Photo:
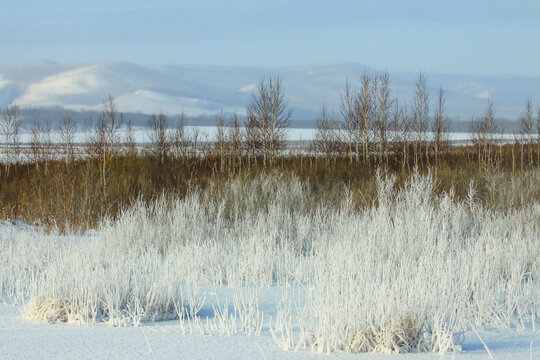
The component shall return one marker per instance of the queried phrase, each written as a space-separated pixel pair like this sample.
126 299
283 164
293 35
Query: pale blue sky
472 37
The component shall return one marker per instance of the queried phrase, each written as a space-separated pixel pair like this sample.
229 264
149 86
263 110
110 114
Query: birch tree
159 145
420 117
10 126
382 115
268 112
526 130
441 126
348 121
67 128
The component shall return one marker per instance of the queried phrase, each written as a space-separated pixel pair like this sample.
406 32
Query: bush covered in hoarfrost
407 274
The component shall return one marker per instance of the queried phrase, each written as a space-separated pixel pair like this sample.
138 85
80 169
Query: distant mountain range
204 90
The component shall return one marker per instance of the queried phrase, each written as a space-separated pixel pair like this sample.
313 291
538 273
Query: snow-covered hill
137 89
204 90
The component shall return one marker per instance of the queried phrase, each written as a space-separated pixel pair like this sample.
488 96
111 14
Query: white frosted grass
415 272
410 273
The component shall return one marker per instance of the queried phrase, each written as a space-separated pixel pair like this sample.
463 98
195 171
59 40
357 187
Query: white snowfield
252 270
25 339
141 135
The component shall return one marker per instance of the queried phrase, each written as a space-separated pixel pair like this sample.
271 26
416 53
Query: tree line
370 127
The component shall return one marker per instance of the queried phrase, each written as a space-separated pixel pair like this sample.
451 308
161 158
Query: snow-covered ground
24 339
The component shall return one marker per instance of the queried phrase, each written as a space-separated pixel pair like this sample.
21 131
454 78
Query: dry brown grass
71 194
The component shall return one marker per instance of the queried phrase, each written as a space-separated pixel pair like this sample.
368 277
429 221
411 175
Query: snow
484 94
3 82
248 88
23 339
78 81
153 102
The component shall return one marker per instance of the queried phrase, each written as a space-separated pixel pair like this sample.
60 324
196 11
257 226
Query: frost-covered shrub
414 271
406 274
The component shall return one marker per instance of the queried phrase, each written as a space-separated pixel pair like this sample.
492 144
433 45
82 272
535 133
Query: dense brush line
73 195
409 272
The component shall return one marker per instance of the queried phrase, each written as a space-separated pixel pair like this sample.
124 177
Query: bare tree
491 130
48 143
36 144
101 148
180 142
67 128
526 130
105 141
159 145
251 139
221 139
325 135
90 137
372 126
10 126
382 115
111 121
187 143
234 137
400 133
348 121
268 112
420 115
483 133
129 140
441 126
365 104
280 116
198 143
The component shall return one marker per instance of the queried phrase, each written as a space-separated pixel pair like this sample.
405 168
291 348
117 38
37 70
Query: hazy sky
454 36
